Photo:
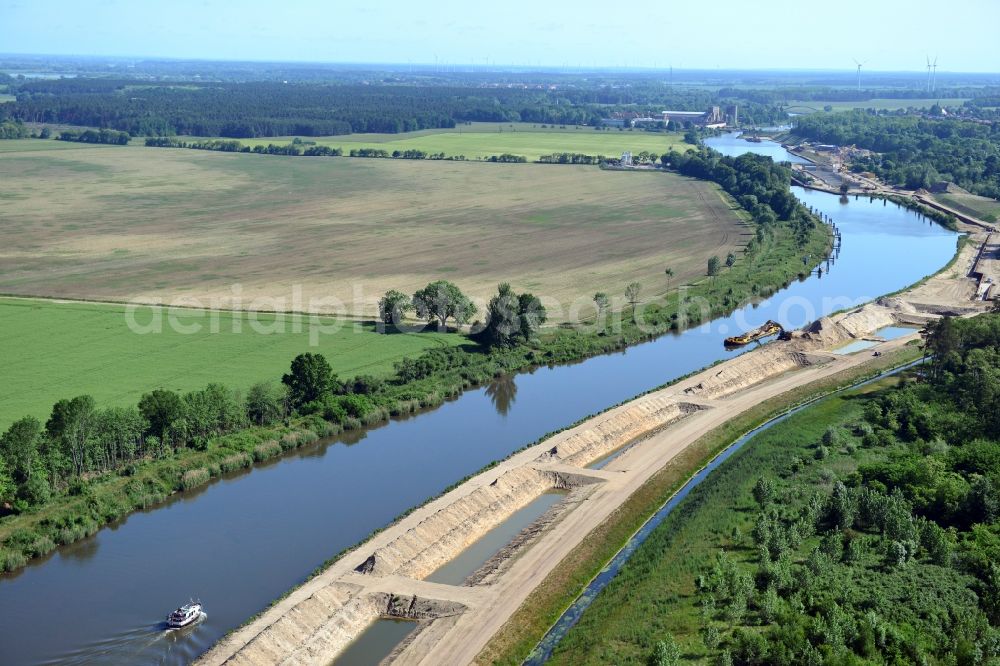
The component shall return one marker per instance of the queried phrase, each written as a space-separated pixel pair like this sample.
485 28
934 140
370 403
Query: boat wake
148 644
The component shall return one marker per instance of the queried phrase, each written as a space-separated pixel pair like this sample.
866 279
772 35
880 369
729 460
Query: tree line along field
881 104
481 140
135 222
68 349
472 140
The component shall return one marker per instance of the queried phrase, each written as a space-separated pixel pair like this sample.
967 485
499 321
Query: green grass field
880 104
6 98
60 350
474 140
485 139
43 145
982 207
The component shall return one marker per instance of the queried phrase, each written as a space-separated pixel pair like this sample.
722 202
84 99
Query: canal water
734 144
887 333
476 555
239 543
376 642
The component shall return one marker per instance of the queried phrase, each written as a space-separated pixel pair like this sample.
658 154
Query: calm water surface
375 643
241 542
457 570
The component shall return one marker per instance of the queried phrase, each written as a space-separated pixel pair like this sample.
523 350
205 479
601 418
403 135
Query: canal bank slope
384 576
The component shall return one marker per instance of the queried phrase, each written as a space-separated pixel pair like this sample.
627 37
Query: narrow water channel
469 560
375 643
241 542
887 333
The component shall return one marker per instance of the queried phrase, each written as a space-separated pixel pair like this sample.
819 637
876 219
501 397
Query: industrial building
712 118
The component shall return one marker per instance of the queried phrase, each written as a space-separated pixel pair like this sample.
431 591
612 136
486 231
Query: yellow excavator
770 327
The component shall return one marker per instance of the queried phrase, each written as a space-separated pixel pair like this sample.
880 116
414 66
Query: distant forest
916 151
268 108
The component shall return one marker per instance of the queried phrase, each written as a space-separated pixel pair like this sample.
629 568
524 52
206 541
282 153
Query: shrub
41 546
11 560
377 415
831 437
71 533
403 407
194 478
330 430
234 462
268 449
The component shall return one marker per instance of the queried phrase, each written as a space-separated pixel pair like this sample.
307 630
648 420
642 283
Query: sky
887 35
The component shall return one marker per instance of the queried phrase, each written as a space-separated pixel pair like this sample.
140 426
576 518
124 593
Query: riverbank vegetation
862 530
946 220
90 465
914 151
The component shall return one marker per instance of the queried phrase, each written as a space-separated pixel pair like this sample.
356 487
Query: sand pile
328 621
323 624
749 369
443 535
615 430
865 321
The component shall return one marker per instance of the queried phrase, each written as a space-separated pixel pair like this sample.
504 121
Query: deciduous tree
266 403
163 410
392 308
310 378
632 290
442 300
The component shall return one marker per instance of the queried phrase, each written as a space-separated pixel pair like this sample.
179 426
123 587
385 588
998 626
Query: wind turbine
859 72
928 73
934 78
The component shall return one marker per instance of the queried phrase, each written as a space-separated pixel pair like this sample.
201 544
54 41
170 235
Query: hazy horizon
889 37
479 66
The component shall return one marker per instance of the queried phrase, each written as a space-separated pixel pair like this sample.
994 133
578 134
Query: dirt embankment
600 436
324 623
327 621
439 538
434 541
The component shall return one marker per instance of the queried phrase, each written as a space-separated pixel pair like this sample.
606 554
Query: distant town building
711 118
626 158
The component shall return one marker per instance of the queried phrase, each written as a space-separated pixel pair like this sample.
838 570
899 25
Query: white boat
185 615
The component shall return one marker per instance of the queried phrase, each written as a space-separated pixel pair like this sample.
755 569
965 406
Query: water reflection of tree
503 392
